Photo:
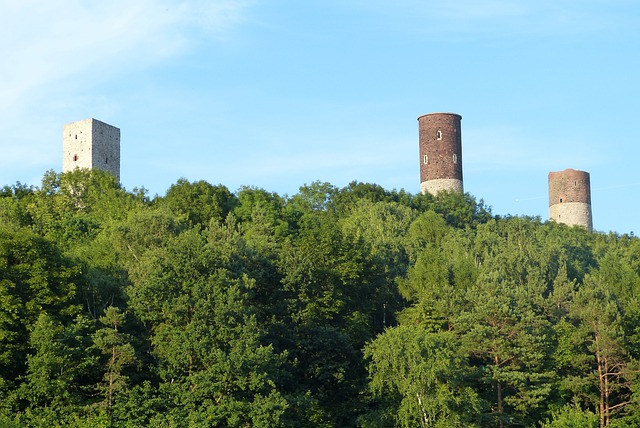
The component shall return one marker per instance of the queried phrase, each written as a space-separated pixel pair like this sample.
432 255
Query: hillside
353 306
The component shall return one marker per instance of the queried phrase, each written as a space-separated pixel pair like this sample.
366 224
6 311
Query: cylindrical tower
570 198
440 152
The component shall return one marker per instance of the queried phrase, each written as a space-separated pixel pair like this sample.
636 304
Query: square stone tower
91 144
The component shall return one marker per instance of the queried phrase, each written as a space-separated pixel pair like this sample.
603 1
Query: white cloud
45 42
55 54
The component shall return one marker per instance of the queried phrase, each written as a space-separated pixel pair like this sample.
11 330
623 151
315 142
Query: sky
276 94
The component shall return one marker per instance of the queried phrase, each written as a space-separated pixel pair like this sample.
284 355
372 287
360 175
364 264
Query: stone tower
440 153
91 144
570 198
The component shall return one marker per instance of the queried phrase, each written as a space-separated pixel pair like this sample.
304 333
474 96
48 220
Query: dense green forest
334 307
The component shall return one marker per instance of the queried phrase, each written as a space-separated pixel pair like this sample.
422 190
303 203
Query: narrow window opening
75 158
439 135
560 200
76 136
455 158
426 159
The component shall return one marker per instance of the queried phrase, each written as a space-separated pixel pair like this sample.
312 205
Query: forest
333 307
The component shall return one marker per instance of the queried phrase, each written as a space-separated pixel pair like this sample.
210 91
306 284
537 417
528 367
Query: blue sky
279 93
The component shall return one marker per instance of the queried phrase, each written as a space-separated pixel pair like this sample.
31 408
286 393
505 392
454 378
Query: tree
213 366
600 316
199 201
61 371
119 353
506 326
572 416
34 278
13 205
461 210
71 208
428 372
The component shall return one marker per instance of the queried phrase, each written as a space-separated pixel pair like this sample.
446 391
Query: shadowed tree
116 347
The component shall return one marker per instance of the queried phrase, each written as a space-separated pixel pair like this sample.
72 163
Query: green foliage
572 416
61 370
13 205
34 278
428 372
70 207
461 210
119 353
200 202
204 336
352 306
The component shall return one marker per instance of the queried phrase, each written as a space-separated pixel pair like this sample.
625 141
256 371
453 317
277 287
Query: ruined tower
91 144
570 198
440 138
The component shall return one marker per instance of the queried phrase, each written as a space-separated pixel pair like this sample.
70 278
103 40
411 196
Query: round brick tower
440 153
570 198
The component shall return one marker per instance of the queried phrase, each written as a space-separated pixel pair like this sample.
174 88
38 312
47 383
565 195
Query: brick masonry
91 144
440 139
570 198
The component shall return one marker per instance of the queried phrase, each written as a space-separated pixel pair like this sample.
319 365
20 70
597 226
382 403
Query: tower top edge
568 171
90 120
441 114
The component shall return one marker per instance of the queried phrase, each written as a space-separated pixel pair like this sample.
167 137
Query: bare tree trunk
499 392
607 393
601 378
425 418
110 391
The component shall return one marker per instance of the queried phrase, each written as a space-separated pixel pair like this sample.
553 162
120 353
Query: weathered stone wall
436 186
440 139
91 144
76 145
570 198
106 148
572 214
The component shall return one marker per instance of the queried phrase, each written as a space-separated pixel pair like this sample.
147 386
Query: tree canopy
333 307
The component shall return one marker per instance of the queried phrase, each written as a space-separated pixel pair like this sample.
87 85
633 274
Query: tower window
75 158
426 159
76 136
439 135
455 158
560 200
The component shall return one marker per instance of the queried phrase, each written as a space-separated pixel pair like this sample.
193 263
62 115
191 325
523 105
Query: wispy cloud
56 53
45 42
520 17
